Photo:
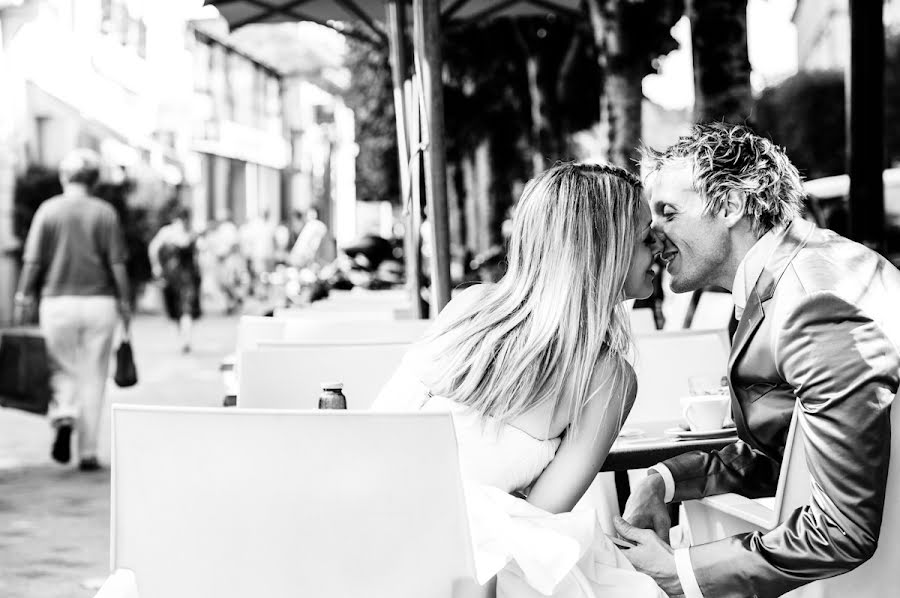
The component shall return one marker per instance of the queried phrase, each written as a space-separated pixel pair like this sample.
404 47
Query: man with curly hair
819 328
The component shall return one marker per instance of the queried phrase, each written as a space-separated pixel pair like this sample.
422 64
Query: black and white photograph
449 298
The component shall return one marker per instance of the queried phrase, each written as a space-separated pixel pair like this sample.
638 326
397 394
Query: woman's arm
580 456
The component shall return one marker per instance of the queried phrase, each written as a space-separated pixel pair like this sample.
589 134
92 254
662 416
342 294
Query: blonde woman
534 370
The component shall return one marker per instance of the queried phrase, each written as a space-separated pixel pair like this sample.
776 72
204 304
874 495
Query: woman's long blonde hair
542 329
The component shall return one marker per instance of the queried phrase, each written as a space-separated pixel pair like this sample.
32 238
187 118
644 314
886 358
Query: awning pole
414 119
427 51
396 27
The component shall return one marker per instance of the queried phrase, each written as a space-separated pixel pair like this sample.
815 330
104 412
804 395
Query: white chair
252 329
718 517
392 297
256 328
341 331
289 377
340 313
381 312
235 503
666 360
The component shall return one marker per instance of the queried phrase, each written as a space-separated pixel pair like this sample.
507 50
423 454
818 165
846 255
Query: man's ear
734 208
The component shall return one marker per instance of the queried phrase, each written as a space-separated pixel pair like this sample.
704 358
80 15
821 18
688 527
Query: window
117 22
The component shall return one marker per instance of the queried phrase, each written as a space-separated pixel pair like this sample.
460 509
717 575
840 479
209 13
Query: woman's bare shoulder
464 300
605 371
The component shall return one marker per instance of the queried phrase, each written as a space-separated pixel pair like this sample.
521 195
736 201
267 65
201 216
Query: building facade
100 74
323 165
823 32
239 144
179 112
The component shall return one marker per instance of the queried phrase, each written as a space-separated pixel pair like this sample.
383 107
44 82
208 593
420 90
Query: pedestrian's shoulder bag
126 372
24 370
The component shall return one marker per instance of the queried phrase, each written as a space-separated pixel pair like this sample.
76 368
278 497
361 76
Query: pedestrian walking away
74 268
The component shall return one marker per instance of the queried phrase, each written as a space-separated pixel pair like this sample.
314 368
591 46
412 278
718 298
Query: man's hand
650 556
646 509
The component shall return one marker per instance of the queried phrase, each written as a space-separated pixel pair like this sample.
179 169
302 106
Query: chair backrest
392 297
374 311
793 488
257 328
341 331
666 360
289 376
881 571
340 313
252 329
235 503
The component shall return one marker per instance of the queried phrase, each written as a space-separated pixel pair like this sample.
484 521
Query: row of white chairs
281 360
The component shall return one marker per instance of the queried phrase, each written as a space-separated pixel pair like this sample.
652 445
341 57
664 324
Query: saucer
682 434
630 432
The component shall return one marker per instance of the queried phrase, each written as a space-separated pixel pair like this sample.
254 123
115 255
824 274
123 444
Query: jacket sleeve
844 371
736 468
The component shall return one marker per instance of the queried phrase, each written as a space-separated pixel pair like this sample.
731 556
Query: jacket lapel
794 239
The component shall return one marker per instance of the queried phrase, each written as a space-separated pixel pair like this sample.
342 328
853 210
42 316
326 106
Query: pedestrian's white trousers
79 333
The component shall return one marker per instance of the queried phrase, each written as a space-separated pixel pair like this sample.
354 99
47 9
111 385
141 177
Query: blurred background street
257 166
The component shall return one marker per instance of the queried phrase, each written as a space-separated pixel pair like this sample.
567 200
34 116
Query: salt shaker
332 397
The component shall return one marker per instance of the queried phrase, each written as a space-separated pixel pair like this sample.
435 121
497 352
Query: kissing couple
535 370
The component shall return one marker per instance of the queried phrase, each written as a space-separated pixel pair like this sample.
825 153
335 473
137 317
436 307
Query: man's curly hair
729 158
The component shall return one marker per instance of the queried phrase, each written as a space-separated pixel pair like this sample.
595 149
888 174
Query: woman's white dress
532 552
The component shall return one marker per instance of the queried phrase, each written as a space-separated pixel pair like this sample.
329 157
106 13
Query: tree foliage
629 37
36 184
488 89
486 96
720 59
806 114
370 96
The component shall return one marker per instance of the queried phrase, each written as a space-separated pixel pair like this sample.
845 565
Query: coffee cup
705 413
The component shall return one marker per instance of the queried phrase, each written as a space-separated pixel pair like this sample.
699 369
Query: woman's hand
650 556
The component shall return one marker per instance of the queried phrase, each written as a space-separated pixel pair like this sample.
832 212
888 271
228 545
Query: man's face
695 245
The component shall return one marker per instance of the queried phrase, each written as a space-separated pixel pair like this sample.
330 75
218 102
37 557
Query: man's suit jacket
822 327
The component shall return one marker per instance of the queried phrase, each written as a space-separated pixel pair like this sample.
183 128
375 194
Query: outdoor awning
371 12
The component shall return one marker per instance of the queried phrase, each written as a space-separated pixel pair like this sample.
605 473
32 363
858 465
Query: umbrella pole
427 54
414 120
396 27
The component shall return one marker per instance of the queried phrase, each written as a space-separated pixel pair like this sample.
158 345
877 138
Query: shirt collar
751 267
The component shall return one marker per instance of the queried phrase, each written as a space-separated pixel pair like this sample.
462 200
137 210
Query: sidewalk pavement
54 519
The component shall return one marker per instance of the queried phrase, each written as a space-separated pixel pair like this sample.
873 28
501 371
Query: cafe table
650 445
643 444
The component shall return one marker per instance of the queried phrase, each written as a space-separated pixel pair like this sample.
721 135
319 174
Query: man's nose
659 242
